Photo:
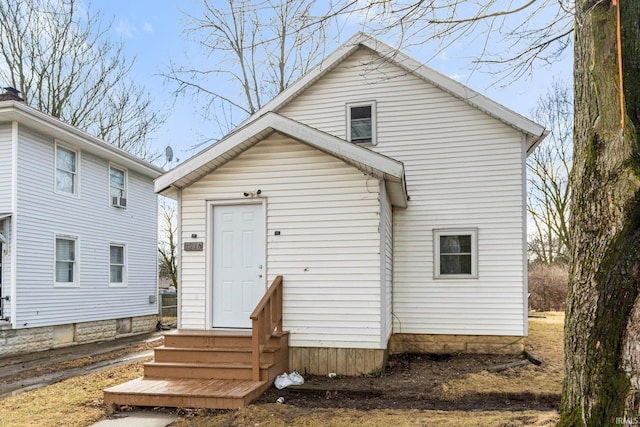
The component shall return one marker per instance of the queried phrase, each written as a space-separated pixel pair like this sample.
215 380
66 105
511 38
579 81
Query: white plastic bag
285 380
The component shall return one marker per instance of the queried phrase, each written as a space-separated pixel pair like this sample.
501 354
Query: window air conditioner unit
118 202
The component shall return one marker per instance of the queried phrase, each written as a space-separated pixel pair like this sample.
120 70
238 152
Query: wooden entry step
189 338
226 370
204 369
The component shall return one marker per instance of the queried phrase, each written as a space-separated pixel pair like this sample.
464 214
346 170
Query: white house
389 197
78 233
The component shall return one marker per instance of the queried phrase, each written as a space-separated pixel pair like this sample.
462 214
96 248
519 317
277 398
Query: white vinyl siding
41 213
386 274
6 158
6 260
463 169
328 216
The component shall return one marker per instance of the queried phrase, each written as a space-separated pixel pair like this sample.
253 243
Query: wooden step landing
186 392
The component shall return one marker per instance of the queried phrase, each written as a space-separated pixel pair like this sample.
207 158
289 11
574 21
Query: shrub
548 287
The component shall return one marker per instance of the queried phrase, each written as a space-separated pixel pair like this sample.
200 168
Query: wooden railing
266 320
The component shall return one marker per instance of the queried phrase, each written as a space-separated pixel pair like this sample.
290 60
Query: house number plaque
193 246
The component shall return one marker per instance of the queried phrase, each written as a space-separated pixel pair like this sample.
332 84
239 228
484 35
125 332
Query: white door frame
210 204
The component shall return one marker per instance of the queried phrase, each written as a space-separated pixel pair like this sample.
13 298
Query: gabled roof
33 118
533 131
244 137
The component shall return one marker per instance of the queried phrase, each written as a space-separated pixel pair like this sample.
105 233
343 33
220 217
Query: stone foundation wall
341 361
143 324
448 344
19 341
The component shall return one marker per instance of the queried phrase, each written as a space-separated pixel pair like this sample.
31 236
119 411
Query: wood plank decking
204 369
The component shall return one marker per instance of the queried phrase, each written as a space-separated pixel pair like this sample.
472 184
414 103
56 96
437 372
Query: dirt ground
415 381
409 382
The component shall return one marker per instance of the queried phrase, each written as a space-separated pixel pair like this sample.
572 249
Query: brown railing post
265 320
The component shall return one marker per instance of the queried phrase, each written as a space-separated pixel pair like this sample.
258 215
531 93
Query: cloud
458 77
443 55
147 27
126 29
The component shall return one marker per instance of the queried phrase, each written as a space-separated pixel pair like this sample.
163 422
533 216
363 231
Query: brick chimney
11 94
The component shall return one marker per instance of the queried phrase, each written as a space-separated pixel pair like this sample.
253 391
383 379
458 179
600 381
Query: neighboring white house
78 233
392 200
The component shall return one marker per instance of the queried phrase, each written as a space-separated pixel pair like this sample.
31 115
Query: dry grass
73 402
78 401
272 415
544 341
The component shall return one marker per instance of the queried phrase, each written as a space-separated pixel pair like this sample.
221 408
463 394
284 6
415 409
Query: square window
65 260
361 123
117 264
455 253
118 187
66 170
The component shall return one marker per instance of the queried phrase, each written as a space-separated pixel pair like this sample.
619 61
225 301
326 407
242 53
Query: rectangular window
118 187
116 264
66 170
361 126
66 264
455 253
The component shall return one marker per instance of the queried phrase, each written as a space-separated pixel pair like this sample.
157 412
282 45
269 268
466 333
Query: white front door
238 258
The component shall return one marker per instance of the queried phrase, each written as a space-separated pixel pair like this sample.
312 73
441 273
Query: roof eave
29 116
534 141
395 56
245 137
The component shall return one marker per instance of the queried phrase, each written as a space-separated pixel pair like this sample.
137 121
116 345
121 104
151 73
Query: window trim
437 233
76 261
374 133
76 173
125 190
122 284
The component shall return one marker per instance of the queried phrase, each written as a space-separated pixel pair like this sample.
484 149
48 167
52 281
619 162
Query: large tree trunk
602 332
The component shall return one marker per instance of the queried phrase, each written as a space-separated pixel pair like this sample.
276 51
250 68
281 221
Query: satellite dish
168 152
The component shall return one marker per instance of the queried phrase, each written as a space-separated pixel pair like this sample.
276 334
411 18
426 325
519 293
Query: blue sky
152 32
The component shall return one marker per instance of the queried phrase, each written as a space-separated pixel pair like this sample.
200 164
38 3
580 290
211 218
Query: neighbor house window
118 187
66 170
66 261
456 253
117 264
361 123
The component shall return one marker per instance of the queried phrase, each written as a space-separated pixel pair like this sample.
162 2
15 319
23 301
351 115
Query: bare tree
602 331
258 48
513 37
61 58
167 244
549 169
602 358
